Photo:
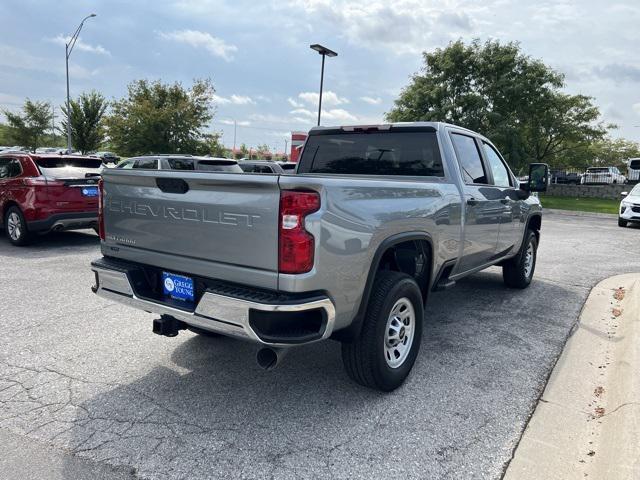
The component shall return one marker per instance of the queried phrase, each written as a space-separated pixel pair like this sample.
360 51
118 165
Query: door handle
472 201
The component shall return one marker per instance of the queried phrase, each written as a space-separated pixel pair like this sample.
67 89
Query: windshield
597 170
386 153
635 164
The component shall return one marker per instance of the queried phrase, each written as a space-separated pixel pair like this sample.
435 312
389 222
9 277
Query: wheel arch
396 248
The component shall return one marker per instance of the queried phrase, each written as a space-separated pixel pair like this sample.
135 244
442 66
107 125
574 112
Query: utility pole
235 125
285 149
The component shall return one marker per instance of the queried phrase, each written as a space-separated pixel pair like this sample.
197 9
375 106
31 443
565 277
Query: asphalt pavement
88 378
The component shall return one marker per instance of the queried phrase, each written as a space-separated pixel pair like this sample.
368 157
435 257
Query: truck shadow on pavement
210 412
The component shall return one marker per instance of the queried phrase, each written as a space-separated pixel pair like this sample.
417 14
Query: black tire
19 236
621 222
514 270
365 358
204 333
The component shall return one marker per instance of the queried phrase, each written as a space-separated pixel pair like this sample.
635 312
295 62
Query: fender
353 330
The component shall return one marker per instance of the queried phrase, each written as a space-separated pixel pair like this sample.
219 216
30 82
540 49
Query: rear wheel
384 353
621 222
517 272
16 227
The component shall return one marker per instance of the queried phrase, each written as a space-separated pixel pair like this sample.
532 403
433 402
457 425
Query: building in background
297 140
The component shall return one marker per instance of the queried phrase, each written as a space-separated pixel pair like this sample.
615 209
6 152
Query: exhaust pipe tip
269 358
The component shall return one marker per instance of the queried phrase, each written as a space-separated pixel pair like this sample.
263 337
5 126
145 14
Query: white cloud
636 107
371 100
293 103
337 115
80 45
402 26
197 39
232 100
328 98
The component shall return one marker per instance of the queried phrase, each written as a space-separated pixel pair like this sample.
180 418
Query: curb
587 423
572 213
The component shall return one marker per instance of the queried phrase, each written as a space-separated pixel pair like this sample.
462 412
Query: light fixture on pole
325 52
68 47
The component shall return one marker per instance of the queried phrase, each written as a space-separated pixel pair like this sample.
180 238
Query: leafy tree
87 129
28 128
605 152
511 98
210 145
160 118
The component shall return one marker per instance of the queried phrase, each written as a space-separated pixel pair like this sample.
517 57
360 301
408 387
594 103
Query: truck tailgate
220 218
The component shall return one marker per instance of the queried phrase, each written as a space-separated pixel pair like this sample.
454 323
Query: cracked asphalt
88 378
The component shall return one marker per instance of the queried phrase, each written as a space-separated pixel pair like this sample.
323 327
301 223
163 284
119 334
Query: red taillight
296 245
100 209
42 182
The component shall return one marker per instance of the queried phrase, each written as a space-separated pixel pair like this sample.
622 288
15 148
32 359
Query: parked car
108 158
43 150
633 170
349 248
40 193
565 178
181 162
630 207
288 167
602 176
258 166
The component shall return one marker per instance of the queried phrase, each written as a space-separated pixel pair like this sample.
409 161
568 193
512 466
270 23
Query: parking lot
89 377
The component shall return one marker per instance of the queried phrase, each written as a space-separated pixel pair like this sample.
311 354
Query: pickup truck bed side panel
356 217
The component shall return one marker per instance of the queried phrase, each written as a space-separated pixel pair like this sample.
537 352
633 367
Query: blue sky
265 75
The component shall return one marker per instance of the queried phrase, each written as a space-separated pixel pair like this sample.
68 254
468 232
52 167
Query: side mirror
624 194
538 178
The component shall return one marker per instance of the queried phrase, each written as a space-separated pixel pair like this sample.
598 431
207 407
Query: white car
630 207
602 175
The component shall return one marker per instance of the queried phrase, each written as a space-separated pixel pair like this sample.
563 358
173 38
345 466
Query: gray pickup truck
348 248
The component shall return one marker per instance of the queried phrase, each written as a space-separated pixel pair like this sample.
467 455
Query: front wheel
384 353
622 223
16 227
517 272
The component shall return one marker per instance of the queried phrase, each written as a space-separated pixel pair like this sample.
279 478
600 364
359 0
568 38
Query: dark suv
40 193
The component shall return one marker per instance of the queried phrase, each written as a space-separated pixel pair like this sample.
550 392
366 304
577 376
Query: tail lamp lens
296 245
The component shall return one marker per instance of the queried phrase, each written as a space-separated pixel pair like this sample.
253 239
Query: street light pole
68 48
325 52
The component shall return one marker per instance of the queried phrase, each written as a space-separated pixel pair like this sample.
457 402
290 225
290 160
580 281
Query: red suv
41 193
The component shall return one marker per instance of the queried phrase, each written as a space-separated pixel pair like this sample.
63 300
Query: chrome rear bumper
214 312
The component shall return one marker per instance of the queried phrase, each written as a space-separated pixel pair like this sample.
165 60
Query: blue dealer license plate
90 191
178 287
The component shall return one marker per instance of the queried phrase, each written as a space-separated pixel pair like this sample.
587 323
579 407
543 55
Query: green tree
87 129
160 118
210 144
511 98
28 127
606 152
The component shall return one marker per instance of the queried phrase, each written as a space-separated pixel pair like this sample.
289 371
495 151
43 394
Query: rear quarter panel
356 216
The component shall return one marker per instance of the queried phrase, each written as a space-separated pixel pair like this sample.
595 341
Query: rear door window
146 163
469 158
180 163
499 170
383 153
